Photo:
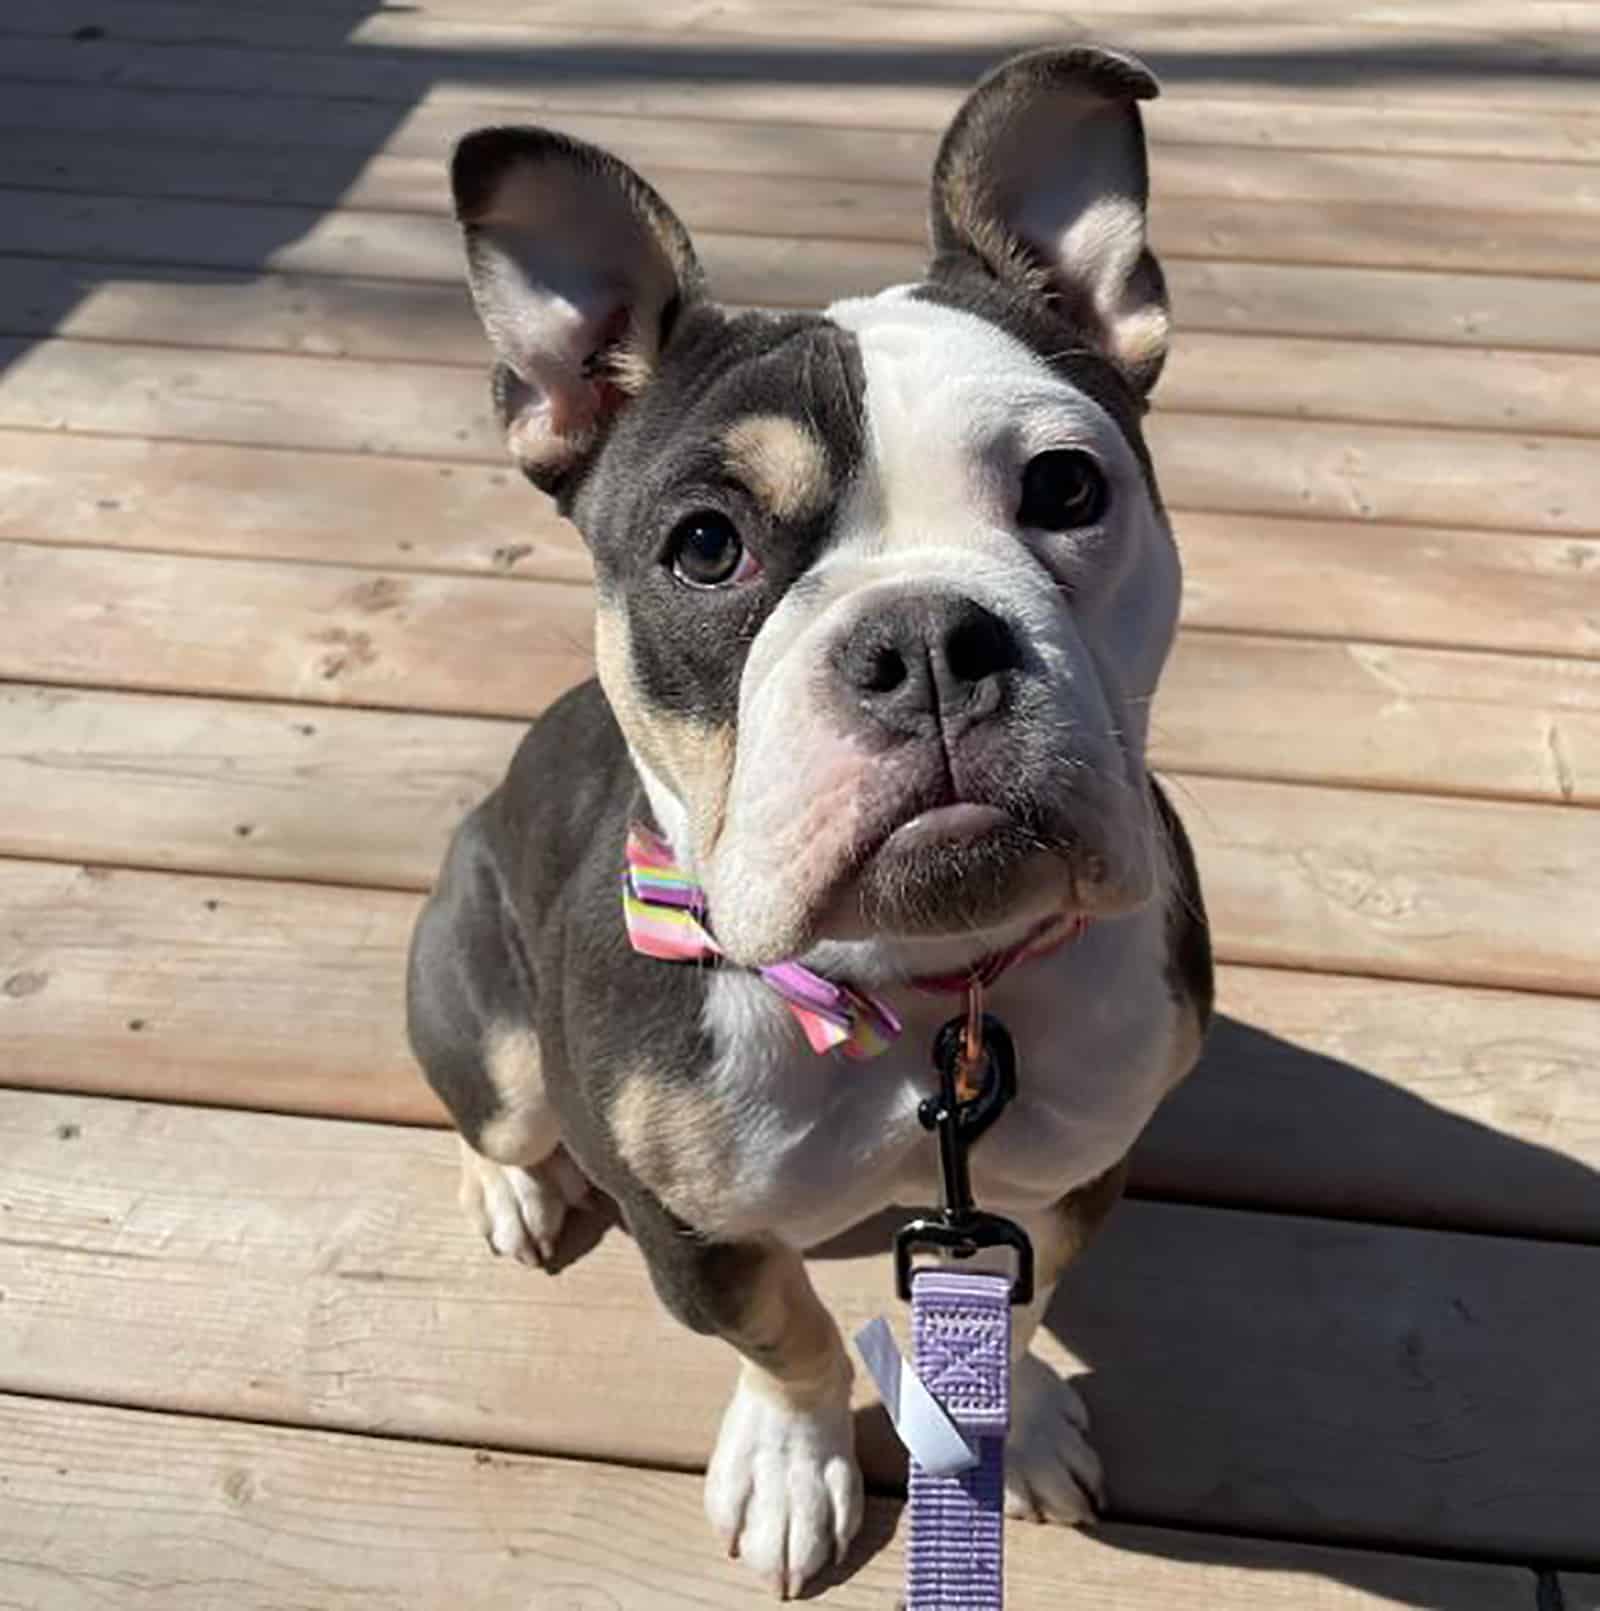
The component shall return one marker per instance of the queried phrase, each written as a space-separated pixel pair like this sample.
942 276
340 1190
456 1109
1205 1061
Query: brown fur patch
525 1130
678 1143
693 759
782 464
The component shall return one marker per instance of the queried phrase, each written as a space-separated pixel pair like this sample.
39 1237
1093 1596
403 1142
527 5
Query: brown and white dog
883 596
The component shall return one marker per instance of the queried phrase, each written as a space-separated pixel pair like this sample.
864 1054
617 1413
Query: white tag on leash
924 1426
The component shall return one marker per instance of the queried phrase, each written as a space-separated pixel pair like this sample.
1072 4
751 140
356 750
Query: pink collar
665 913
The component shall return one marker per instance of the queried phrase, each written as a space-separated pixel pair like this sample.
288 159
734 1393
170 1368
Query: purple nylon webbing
961 1343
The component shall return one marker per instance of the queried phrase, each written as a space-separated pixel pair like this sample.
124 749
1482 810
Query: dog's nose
925 661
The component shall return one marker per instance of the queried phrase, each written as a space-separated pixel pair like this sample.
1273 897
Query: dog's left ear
1042 178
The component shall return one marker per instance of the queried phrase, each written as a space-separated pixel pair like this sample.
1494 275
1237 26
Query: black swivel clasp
976 1062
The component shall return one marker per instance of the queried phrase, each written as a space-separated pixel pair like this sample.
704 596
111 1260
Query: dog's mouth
950 866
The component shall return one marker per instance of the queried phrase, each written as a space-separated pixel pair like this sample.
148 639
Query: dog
883 595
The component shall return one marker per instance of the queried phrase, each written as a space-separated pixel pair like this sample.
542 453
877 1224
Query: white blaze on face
955 409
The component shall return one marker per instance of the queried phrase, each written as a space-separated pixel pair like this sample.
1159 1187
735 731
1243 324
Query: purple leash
953 1407
961 1344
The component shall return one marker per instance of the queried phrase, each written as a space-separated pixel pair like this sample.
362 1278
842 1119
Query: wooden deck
272 610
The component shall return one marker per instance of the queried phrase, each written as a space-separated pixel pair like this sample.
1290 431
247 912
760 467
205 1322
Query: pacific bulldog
883 594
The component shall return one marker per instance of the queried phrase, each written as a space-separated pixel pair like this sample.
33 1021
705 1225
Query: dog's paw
1052 1472
520 1212
783 1490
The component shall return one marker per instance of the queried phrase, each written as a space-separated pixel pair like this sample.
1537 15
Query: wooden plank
232 786
408 172
259 1518
942 22
286 997
345 316
1462 891
1400 584
1250 1371
1376 472
318 632
1244 463
236 992
1478 388
426 128
901 83
348 509
1382 716
1520 727
1209 201
1432 1091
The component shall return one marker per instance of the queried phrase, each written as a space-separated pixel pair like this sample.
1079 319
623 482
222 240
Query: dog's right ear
578 270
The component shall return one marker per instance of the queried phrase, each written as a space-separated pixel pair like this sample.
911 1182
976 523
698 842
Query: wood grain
334 1521
1462 891
324 633
287 997
234 992
1400 584
1248 1371
268 503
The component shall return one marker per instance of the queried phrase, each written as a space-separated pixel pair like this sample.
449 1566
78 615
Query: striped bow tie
665 911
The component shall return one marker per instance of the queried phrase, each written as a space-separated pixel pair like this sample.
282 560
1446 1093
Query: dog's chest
807 1145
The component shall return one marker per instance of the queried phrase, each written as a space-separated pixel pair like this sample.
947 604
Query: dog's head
883 592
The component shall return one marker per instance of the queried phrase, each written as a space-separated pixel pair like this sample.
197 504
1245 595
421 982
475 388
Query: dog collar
665 914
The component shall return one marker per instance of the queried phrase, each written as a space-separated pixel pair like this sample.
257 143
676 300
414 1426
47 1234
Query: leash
961 1332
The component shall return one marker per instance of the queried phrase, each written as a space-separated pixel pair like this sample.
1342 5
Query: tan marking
793 1351
678 1143
694 759
782 464
525 1131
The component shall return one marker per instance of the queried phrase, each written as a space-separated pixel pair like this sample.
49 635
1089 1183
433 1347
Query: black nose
927 661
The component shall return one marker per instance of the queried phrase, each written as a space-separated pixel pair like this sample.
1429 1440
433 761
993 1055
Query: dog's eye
705 550
1062 490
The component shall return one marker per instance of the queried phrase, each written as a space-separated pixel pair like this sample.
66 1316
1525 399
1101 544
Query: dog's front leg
783 1488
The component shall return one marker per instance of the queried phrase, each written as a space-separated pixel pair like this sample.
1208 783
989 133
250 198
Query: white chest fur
821 1142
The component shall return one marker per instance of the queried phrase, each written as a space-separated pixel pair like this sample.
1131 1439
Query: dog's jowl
883 596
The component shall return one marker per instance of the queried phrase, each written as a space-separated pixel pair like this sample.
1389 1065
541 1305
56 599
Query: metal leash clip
977 1066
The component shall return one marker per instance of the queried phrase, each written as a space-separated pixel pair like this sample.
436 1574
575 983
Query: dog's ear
1042 178
578 270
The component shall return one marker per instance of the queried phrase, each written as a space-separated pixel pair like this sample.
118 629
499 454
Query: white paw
783 1490
1052 1472
520 1212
